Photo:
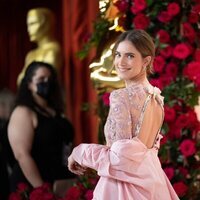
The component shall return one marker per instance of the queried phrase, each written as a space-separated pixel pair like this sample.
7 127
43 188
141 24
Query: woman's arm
21 134
122 161
88 155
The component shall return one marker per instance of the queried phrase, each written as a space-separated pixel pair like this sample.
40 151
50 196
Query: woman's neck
139 79
40 101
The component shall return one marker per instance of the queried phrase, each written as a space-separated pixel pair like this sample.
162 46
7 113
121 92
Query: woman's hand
74 167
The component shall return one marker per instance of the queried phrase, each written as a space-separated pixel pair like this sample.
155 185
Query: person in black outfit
38 130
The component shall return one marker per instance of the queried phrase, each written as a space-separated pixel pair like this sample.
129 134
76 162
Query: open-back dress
128 169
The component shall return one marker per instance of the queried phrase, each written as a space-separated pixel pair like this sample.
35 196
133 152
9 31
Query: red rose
158 64
173 9
193 18
187 147
180 188
86 37
178 106
122 21
42 193
182 121
157 82
174 132
163 140
138 6
36 194
166 52
169 171
48 196
196 9
171 70
89 195
141 21
181 51
197 83
163 36
73 193
192 71
22 187
170 114
80 186
15 196
192 118
122 5
188 31
166 80
93 181
197 55
105 98
183 171
196 130
164 17
46 186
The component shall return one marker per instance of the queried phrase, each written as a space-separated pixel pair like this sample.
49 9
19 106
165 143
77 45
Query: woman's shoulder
23 108
118 92
137 91
23 114
22 111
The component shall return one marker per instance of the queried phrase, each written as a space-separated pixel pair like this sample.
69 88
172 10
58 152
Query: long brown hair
142 42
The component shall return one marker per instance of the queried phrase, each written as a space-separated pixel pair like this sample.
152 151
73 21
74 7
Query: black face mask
44 89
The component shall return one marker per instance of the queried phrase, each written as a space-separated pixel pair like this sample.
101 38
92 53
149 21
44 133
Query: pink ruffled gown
128 170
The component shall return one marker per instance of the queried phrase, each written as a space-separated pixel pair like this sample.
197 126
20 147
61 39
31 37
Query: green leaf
149 2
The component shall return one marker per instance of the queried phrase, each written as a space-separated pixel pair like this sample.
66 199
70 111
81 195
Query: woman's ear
147 61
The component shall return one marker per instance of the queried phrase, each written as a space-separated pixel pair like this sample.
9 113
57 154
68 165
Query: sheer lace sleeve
125 108
118 124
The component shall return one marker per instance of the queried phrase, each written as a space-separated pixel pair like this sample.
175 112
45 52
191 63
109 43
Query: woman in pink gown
128 165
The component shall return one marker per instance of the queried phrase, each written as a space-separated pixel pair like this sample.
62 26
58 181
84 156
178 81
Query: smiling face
128 61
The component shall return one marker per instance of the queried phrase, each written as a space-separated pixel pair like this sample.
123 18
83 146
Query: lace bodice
127 107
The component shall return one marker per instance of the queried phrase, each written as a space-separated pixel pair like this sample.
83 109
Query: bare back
136 111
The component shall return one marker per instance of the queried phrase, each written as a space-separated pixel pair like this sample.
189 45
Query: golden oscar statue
103 74
41 26
102 71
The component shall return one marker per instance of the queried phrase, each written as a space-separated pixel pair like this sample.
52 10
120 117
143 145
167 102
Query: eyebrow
126 53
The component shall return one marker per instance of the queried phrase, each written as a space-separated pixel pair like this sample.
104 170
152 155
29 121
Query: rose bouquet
25 192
